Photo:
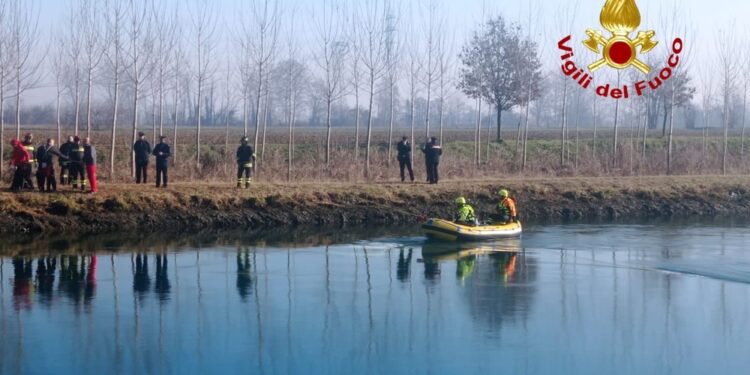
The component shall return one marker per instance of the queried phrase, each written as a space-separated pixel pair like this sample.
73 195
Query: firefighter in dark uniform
76 166
28 144
245 162
65 149
162 153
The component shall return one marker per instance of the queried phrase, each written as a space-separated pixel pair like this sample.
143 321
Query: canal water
662 298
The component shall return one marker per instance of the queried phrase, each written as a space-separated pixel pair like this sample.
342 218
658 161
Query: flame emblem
620 18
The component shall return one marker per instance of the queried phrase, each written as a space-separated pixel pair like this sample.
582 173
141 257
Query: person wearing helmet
65 149
506 208
162 153
76 164
464 213
26 169
245 162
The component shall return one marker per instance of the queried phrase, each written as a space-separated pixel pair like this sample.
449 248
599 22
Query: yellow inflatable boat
449 231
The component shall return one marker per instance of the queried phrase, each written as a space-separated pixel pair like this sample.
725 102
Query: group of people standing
76 158
432 152
142 152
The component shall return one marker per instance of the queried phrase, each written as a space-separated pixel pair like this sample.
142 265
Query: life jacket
507 207
31 150
466 213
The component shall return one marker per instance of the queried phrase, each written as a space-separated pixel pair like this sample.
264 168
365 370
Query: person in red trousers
89 160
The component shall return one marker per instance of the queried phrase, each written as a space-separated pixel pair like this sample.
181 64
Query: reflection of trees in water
501 288
244 276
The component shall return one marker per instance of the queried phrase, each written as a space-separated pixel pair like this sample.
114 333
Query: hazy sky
549 22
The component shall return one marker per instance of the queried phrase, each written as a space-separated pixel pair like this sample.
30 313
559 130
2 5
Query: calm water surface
564 299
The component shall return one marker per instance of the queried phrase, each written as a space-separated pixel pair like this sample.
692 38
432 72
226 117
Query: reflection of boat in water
504 252
449 231
446 251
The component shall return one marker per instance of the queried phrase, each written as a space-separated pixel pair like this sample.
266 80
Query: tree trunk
328 129
265 124
2 122
18 102
369 124
390 126
744 112
499 110
564 124
356 123
135 128
88 100
116 103
198 127
593 143
671 131
258 94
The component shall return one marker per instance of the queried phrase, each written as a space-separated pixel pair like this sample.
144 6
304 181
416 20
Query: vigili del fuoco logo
618 50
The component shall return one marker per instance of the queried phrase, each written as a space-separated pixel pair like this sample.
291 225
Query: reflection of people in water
506 265
162 286
22 286
465 267
431 269
77 281
45 278
403 268
244 277
141 280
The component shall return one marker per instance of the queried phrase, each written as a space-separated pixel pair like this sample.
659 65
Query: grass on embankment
201 206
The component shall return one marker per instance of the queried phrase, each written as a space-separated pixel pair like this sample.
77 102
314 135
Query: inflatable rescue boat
449 231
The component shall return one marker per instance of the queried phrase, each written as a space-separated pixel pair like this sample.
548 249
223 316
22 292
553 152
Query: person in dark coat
89 160
404 158
45 175
425 150
433 160
245 162
76 165
65 149
162 153
142 152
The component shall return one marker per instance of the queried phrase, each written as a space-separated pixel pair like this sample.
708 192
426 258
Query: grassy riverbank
190 207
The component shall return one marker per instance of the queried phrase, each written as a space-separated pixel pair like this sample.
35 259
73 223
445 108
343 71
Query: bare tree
433 32
88 14
260 40
729 69
139 33
24 21
204 27
372 18
114 18
164 33
330 56
445 60
57 65
178 66
74 47
412 81
6 58
393 52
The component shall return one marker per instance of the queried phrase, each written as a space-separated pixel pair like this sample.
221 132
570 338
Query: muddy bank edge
189 207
